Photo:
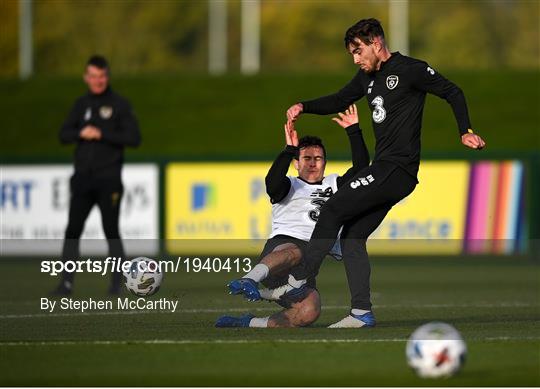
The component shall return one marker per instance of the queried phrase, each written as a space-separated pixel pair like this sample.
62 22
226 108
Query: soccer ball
436 350
143 277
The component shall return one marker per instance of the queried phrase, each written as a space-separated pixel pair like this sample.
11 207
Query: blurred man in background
101 123
395 87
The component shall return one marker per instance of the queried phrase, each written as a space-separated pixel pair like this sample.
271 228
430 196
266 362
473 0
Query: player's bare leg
282 258
277 262
300 314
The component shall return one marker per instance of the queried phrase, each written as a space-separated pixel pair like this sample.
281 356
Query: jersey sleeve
277 182
359 152
338 101
426 79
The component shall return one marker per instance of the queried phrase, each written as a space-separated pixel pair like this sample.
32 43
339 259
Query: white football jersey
298 212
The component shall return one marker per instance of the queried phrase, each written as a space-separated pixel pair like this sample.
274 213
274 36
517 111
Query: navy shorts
277 280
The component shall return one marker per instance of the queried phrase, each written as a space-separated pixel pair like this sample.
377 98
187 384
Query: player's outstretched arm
473 141
360 155
294 112
291 136
427 79
338 101
348 118
277 182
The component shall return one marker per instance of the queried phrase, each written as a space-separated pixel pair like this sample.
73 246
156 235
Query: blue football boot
356 321
230 321
245 286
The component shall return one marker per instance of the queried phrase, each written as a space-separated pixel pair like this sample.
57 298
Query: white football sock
359 311
258 273
274 294
259 322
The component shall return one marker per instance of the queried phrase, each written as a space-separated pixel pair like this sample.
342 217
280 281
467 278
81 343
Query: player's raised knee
309 310
309 314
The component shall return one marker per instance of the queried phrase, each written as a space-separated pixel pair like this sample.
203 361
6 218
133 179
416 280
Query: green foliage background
158 51
172 36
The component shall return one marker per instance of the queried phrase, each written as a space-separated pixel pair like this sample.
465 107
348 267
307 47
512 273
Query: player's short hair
365 30
98 61
309 140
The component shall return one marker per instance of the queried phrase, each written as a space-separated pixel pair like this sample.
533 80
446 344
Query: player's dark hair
307 141
365 30
98 61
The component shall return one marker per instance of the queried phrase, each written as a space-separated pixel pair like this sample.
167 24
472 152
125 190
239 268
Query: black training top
396 95
278 184
112 114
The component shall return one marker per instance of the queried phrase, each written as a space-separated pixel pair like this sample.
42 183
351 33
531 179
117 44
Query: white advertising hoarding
34 204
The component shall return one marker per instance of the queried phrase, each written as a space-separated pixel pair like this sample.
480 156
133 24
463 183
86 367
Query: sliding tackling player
296 203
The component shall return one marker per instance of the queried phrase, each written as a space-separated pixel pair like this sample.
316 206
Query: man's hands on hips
291 136
348 118
294 111
90 133
473 141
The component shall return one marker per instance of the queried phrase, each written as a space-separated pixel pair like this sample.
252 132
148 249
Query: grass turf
495 303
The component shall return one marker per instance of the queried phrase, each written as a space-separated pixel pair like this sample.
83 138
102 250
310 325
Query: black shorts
277 280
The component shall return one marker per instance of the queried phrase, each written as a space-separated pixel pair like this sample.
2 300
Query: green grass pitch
493 302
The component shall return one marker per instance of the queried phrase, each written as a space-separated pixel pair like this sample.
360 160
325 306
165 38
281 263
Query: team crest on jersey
87 114
392 81
105 112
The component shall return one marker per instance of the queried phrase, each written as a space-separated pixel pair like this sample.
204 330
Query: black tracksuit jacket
112 114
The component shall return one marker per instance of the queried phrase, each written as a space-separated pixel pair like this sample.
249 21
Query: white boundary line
193 341
239 341
255 309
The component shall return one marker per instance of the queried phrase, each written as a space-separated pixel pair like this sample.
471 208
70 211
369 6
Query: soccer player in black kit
101 123
395 88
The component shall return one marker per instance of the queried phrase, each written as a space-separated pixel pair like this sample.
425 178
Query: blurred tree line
141 36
